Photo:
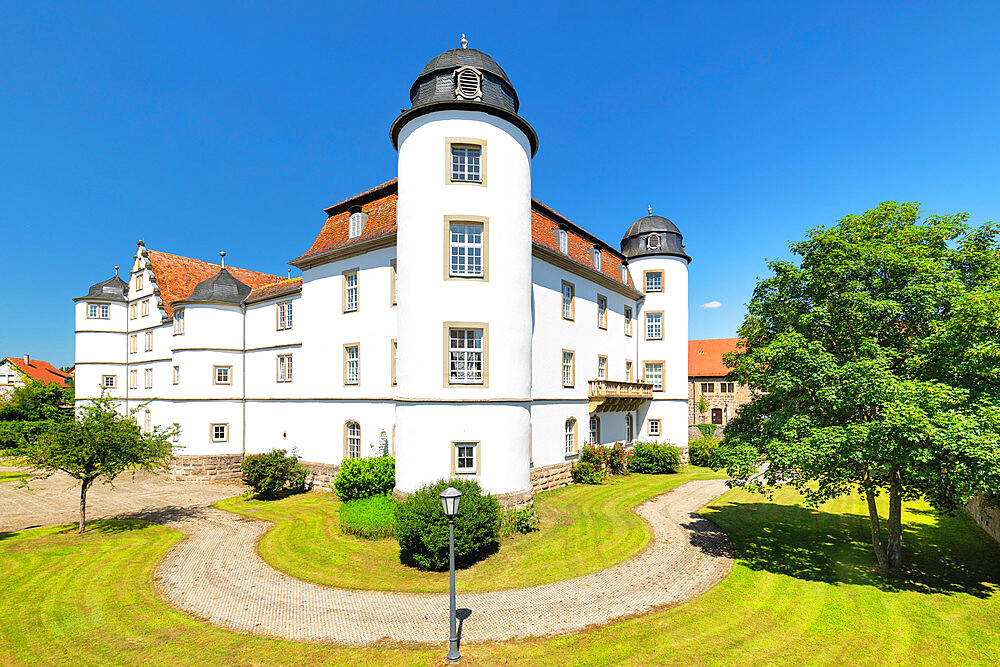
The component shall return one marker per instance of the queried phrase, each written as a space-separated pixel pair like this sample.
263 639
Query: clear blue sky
209 126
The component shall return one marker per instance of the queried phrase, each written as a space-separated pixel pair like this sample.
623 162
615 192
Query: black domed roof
653 235
112 289
223 287
453 58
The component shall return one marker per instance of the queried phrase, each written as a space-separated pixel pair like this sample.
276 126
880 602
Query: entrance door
716 415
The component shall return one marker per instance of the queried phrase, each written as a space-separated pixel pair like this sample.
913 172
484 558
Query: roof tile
705 356
176 276
41 371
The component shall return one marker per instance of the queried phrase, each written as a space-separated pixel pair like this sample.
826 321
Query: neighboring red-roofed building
707 378
16 371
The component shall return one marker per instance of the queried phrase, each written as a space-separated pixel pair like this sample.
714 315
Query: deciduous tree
875 364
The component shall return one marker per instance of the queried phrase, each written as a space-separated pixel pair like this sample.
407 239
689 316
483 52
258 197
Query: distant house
14 372
707 378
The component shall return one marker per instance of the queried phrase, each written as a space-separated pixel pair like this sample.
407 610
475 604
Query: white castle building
484 333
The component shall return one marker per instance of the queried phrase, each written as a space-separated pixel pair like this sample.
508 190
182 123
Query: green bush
422 529
365 478
704 452
274 474
655 458
707 430
587 472
522 520
371 518
596 455
618 459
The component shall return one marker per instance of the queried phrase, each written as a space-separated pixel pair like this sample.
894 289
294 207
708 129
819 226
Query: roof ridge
203 261
369 191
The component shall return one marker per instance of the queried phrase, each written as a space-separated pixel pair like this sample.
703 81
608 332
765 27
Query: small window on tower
468 83
653 242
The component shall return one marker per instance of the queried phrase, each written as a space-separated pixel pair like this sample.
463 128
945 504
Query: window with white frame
177 374
654 281
284 315
563 236
132 311
654 427
568 306
352 438
602 312
284 368
138 282
596 255
465 356
602 368
568 371
176 437
465 458
133 379
220 432
628 371
466 163
654 374
223 374
147 378
109 381
356 224
98 311
466 249
133 343
145 307
623 273
350 291
628 427
147 422
654 326
628 320
178 321
147 341
569 439
352 363
595 429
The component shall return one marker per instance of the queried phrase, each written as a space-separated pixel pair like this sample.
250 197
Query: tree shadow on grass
947 556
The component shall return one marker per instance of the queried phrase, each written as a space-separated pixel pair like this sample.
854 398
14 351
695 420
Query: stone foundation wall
321 475
551 476
987 517
208 468
694 433
685 454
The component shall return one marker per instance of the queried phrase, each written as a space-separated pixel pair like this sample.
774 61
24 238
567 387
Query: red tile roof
176 276
275 289
705 356
380 205
41 371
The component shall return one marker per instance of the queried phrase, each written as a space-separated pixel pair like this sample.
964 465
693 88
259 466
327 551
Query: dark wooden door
716 415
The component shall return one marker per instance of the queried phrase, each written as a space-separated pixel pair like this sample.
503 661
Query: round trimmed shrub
274 474
422 528
654 458
365 478
371 518
704 452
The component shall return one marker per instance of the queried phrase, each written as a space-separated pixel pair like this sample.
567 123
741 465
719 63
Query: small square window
466 356
653 281
223 374
465 458
654 427
109 381
98 311
466 164
466 246
654 374
220 432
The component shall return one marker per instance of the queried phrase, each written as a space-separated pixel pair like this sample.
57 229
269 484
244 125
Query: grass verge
12 476
583 529
369 518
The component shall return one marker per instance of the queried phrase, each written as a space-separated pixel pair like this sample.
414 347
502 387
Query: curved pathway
216 574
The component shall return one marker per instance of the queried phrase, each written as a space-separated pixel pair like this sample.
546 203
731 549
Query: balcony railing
615 396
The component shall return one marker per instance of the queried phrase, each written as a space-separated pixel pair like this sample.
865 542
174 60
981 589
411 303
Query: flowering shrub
618 459
523 520
586 472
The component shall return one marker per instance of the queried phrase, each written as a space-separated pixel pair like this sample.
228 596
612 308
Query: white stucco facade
381 314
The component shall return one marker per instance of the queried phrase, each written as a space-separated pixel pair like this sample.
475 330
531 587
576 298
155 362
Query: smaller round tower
658 264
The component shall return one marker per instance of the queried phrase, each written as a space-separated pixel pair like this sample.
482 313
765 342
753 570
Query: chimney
27 360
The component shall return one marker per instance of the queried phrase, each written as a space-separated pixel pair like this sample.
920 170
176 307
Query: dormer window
468 84
623 272
563 241
596 254
356 223
653 242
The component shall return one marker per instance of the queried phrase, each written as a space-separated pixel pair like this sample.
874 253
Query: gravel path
217 575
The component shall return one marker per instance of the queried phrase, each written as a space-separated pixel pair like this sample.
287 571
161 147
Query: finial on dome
223 256
649 209
116 270
464 42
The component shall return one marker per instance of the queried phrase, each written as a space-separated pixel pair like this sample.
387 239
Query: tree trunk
876 529
894 555
84 486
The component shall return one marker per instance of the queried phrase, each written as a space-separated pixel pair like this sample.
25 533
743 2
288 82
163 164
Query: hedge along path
217 575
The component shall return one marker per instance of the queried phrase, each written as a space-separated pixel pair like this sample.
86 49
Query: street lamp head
450 498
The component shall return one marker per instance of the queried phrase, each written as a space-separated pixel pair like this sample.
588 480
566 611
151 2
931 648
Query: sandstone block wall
208 468
985 516
551 476
321 475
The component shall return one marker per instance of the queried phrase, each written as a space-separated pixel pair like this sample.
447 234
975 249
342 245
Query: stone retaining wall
987 517
552 476
207 468
321 475
694 433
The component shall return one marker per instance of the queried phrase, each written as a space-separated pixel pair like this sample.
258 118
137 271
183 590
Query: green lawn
803 591
12 476
583 529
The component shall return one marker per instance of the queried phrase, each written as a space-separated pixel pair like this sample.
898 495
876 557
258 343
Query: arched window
595 429
352 440
570 436
628 427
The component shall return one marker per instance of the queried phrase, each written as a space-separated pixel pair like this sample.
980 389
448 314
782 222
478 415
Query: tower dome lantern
653 235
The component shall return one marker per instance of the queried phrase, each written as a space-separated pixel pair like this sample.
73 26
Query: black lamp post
450 498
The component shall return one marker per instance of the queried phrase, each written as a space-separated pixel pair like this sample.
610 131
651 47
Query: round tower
463 258
658 265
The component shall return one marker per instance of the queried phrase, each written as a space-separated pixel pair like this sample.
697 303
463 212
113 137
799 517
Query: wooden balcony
613 396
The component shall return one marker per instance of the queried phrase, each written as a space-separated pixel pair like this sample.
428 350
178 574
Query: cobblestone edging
988 518
216 574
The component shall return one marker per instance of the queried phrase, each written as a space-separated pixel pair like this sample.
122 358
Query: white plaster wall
101 347
195 419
